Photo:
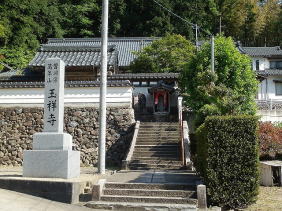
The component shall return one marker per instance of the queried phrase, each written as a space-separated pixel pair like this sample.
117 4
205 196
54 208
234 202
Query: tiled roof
24 75
68 84
73 55
268 72
131 76
261 51
8 74
125 45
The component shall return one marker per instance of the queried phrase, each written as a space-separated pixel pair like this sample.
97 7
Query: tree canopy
168 54
230 90
25 24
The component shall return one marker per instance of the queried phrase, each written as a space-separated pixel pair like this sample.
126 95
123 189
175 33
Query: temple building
147 93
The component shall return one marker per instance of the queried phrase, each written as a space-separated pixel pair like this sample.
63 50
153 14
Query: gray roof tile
262 51
73 55
125 45
70 84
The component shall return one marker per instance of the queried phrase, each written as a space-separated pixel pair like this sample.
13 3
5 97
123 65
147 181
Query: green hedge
227 159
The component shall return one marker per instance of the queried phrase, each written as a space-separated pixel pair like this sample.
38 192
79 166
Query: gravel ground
269 199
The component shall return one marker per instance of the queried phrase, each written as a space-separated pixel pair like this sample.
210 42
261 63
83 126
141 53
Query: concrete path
154 176
10 201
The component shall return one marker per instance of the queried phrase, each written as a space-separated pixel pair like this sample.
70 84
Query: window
136 83
275 64
278 88
257 64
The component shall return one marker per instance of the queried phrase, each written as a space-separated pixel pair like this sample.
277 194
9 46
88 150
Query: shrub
227 159
270 141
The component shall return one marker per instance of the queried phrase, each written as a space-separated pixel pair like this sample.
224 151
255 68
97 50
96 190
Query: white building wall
271 92
263 63
116 96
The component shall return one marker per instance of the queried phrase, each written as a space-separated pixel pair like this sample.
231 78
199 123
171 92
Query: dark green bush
227 159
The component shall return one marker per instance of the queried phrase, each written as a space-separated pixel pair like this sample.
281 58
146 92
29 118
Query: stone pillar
52 154
202 197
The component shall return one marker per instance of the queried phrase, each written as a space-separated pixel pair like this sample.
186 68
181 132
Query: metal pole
103 89
212 54
220 25
196 37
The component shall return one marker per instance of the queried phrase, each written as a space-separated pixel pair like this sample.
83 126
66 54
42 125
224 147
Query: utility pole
103 89
196 33
212 54
220 25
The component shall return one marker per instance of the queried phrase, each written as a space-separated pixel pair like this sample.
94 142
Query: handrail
181 130
132 146
186 143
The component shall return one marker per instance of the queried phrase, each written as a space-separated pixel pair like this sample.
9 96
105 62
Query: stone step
165 129
160 141
156 158
156 125
164 147
172 153
133 206
148 199
144 166
151 161
157 140
145 192
157 135
151 186
156 143
159 123
159 128
155 154
158 150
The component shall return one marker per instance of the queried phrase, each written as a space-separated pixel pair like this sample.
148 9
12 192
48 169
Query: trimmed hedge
227 159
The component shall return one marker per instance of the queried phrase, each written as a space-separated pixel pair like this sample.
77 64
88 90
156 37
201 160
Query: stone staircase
156 179
157 147
146 196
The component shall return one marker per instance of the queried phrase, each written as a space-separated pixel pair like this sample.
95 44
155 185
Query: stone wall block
19 124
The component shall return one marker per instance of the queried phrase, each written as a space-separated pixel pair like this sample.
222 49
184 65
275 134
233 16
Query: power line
194 26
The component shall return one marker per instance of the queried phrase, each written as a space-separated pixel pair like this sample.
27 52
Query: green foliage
227 159
27 23
168 54
229 91
16 58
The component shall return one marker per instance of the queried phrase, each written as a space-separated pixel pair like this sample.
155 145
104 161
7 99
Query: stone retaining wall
19 124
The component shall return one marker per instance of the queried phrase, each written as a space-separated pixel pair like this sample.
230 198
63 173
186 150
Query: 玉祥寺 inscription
54 95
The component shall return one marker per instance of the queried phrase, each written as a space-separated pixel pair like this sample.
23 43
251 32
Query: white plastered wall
263 63
116 96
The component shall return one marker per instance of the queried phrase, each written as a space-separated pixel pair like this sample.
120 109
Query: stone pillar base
51 163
